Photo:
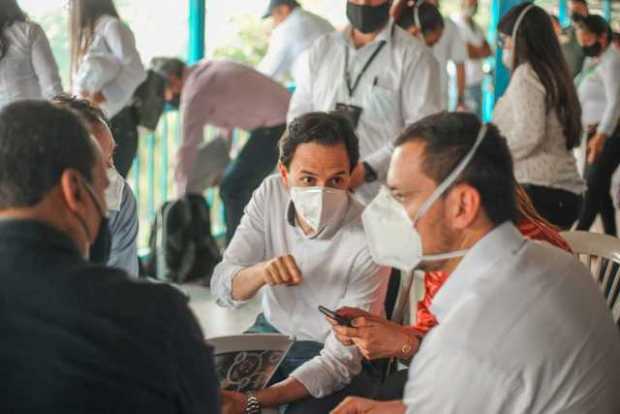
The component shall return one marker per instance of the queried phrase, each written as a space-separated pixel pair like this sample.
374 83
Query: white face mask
318 205
114 192
392 236
507 59
508 55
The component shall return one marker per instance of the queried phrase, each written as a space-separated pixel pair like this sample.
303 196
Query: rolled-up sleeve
610 73
337 364
246 249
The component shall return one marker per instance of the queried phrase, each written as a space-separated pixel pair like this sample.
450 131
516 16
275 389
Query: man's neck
360 39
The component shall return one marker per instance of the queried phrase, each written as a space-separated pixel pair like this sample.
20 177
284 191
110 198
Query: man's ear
283 174
72 190
463 206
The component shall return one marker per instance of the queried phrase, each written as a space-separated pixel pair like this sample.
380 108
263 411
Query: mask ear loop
516 29
452 177
416 14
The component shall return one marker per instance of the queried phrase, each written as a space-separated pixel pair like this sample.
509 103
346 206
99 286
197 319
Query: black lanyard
347 75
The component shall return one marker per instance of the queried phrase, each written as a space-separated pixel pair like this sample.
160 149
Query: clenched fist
282 271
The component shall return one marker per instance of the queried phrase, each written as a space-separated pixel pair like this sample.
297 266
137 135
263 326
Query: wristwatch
370 175
252 406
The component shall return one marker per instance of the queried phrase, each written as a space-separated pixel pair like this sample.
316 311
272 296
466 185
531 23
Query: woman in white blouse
540 115
599 92
27 67
107 69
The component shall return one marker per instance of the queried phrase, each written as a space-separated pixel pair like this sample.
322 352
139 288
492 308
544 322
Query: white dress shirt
599 91
535 136
123 225
473 35
289 40
28 70
450 48
399 88
112 65
523 329
337 271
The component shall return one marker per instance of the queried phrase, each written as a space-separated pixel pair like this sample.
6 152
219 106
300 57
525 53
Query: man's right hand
282 271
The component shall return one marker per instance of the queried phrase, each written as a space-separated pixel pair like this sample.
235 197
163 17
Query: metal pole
196 46
607 10
563 13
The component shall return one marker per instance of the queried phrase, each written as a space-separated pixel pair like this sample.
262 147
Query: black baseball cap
275 3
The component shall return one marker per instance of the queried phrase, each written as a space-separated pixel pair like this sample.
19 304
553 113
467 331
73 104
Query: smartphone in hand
333 315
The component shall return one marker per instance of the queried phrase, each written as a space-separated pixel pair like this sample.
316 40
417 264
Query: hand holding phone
333 315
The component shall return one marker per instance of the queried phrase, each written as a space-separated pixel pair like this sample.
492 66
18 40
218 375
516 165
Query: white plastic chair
601 254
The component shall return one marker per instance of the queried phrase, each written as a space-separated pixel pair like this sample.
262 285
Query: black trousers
125 132
598 199
559 207
257 160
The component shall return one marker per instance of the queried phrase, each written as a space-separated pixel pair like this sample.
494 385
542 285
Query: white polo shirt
523 328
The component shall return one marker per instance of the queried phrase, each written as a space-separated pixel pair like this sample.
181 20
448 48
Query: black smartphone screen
340 319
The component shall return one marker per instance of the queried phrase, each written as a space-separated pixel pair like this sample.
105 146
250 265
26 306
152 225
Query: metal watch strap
252 406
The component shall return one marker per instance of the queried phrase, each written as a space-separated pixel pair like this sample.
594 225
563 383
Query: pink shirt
226 95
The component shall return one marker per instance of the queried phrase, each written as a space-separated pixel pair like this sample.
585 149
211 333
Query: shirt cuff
221 286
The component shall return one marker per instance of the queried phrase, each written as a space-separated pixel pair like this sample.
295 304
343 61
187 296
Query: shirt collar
384 36
499 244
36 232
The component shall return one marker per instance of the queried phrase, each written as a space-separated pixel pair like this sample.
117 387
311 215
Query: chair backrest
601 254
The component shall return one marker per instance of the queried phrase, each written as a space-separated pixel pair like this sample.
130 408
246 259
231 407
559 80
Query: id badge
351 112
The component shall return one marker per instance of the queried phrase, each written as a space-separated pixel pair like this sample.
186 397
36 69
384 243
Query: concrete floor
218 321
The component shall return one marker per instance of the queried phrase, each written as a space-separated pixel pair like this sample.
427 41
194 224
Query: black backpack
181 244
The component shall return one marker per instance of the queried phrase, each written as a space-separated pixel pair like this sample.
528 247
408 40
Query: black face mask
593 50
368 19
576 17
100 249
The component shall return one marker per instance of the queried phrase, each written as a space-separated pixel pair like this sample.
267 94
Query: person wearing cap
294 31
376 74
450 207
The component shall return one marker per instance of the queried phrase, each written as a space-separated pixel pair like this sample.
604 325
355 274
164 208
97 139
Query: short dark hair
430 17
584 2
448 137
323 128
87 112
597 25
38 141
166 66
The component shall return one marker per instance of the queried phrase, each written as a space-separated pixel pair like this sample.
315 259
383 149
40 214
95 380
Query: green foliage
250 43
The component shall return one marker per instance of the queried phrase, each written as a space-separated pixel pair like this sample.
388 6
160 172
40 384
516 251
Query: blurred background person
540 115
571 49
27 66
423 21
294 31
599 93
478 49
107 69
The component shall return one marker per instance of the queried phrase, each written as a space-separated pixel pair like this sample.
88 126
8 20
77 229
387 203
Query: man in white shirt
301 244
522 326
478 49
294 31
451 48
378 75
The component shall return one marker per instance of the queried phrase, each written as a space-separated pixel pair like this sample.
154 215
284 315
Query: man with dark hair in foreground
521 326
78 337
300 245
